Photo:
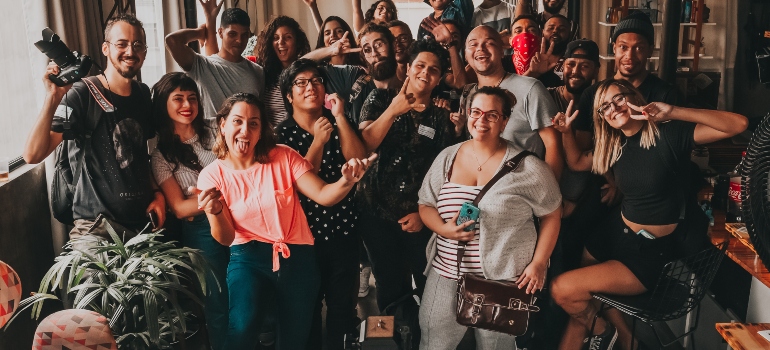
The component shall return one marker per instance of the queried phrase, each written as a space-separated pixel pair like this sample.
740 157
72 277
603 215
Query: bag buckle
517 304
478 301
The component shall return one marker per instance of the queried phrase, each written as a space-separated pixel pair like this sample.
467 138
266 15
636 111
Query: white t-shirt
533 110
498 17
219 79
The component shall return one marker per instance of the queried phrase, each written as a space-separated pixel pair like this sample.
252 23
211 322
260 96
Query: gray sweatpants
439 329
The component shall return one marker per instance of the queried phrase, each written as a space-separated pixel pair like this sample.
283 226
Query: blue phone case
468 212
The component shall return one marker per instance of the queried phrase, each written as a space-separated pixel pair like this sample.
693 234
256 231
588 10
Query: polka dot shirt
326 223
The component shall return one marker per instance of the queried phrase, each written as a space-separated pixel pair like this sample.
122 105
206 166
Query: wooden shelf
680 57
688 24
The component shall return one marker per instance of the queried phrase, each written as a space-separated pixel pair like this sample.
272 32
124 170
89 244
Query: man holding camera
115 181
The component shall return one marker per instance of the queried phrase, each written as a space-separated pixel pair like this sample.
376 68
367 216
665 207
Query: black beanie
636 22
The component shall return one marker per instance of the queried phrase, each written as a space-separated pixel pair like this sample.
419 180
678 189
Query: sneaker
604 341
363 283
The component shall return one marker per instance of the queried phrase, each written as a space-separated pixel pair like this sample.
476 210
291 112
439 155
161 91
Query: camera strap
98 96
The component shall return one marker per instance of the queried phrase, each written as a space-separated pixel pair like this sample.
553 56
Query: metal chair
680 288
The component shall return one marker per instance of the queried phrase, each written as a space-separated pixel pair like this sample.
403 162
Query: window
150 12
22 91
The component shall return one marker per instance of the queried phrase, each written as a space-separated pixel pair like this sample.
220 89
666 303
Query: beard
383 69
552 9
129 73
578 90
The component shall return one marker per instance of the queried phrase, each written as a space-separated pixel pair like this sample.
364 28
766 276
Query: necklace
485 162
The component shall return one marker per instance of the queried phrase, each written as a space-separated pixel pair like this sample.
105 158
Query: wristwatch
449 44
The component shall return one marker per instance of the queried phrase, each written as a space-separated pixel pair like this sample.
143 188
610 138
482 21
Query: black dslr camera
73 66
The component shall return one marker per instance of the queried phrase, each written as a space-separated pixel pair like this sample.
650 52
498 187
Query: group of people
281 167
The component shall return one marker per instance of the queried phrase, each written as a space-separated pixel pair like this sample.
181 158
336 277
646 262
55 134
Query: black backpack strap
510 166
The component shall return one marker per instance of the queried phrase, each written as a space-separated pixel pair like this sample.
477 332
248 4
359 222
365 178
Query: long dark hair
267 138
266 56
369 15
351 58
170 144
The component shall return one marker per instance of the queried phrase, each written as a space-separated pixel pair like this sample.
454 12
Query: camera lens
470 211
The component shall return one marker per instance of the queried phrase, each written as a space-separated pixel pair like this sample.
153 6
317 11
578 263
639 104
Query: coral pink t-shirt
263 200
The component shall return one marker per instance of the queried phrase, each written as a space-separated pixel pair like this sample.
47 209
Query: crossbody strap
510 166
91 120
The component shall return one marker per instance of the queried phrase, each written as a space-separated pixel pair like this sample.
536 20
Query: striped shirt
450 200
276 110
184 176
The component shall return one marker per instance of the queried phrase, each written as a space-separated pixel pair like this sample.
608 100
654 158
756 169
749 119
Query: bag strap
92 119
510 166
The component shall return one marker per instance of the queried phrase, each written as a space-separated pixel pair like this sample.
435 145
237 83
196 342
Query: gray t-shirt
533 111
219 79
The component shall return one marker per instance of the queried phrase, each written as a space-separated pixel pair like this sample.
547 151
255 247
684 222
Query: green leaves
134 284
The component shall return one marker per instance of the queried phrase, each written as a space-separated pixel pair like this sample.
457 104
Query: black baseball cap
588 46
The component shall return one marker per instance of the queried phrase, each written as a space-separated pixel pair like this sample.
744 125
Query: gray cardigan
507 236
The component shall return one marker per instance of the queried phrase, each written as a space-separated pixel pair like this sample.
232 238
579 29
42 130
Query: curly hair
351 58
267 138
170 144
369 15
266 56
430 45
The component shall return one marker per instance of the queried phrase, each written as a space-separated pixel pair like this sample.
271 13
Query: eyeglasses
303 82
618 101
377 45
489 116
122 46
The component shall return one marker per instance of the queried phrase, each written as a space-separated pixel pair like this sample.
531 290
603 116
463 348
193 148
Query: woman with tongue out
250 196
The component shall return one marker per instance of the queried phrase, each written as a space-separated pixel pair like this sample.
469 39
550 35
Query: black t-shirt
340 219
389 189
116 180
651 179
653 89
549 79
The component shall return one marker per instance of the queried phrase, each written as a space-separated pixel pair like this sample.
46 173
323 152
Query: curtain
79 26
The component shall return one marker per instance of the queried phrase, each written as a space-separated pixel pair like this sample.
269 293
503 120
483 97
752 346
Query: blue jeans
252 284
197 234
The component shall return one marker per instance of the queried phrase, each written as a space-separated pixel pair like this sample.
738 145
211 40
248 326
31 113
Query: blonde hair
608 145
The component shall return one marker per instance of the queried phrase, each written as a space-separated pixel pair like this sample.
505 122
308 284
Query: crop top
653 189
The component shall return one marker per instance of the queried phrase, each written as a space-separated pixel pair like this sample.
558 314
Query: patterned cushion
74 329
10 292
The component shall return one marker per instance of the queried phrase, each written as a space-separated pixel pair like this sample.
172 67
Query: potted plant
132 284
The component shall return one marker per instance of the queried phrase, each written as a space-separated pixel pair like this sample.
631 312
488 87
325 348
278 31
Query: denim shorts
643 256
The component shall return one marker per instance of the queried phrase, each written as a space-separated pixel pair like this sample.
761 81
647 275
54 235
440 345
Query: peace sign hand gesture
342 46
543 61
404 102
562 122
655 112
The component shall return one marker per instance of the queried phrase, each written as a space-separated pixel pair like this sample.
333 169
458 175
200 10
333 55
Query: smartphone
645 234
468 212
153 219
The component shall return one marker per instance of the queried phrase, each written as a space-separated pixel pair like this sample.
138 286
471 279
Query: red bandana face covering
524 45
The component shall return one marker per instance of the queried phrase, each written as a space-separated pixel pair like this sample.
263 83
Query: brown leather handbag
493 305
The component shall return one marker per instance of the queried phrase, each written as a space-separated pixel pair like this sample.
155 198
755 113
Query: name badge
426 131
